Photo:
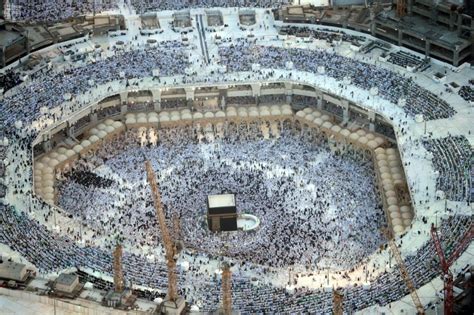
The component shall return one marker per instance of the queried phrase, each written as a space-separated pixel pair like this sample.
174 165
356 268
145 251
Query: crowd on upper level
57 10
453 158
391 86
53 87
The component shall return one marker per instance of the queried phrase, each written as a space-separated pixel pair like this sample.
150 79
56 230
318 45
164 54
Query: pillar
345 110
94 118
156 97
371 117
427 47
124 98
189 93
289 92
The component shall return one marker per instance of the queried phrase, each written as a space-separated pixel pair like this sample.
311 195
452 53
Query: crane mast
170 249
404 272
446 264
227 290
118 272
337 303
401 8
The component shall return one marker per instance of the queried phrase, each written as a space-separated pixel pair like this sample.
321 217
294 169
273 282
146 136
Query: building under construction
438 29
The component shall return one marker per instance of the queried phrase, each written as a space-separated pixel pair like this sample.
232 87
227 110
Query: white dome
300 114
94 139
141 120
363 140
198 115
78 148
130 121
101 126
327 125
336 128
70 153
85 143
153 119
354 136
265 112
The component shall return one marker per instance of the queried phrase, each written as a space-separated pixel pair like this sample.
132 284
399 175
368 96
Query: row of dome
44 167
360 137
391 173
186 114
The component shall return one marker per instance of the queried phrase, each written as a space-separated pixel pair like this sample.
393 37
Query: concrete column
124 98
320 100
289 92
123 109
70 132
156 96
47 145
94 118
345 107
371 117
157 106
256 89
222 97
427 47
410 7
456 57
189 93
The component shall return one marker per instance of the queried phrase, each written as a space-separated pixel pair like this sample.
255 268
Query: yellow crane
171 252
337 302
118 272
404 272
226 289
401 8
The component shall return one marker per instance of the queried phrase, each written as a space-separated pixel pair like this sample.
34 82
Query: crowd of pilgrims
51 251
57 10
241 55
170 58
142 6
453 158
310 212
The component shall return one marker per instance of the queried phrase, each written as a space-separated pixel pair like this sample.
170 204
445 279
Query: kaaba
221 212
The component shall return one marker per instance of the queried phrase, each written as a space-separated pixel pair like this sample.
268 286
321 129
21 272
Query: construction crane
171 251
404 272
118 272
337 302
226 289
447 263
401 8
